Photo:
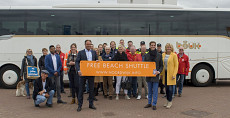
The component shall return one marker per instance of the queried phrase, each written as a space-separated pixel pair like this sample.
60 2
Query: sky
182 3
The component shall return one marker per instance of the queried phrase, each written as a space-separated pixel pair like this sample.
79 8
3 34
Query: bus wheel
202 75
9 76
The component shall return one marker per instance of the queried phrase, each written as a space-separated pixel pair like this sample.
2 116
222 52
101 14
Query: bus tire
202 75
9 76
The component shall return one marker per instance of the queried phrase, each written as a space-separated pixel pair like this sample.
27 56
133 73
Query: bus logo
188 45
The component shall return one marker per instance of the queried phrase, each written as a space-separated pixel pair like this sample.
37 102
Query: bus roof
111 7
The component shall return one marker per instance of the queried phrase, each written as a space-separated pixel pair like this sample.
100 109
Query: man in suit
88 55
53 65
43 89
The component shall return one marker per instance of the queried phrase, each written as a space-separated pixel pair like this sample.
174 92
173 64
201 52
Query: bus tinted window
113 22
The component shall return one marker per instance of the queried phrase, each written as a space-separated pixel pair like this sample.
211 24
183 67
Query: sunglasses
181 49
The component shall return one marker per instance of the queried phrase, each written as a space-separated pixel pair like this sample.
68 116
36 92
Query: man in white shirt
53 65
89 55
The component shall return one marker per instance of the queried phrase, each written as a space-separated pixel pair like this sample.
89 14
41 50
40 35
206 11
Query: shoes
169 105
164 96
79 109
139 97
162 92
95 99
173 96
105 96
60 101
127 97
49 105
148 106
37 105
110 97
28 97
179 95
154 108
73 101
165 105
92 107
117 97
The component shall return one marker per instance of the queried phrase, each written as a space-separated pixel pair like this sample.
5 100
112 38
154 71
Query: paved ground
196 102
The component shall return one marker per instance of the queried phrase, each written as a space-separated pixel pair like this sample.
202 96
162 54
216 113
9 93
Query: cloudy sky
183 3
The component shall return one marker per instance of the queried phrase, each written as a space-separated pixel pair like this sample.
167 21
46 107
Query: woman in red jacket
183 69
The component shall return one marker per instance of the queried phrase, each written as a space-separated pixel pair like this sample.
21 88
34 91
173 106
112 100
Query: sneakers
139 97
127 97
154 108
169 105
179 95
117 97
165 105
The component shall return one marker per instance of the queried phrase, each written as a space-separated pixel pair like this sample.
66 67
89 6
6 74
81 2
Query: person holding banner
133 56
121 56
108 80
86 55
142 80
170 69
153 82
28 60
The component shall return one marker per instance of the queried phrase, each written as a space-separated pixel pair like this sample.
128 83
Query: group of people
171 68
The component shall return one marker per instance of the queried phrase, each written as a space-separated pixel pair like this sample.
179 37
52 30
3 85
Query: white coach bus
203 33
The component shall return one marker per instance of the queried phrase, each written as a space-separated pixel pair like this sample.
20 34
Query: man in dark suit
53 65
43 89
88 55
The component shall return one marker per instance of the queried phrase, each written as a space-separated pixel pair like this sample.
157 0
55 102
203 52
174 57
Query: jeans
153 92
140 81
134 86
57 83
180 80
74 82
41 98
169 89
61 80
27 86
118 85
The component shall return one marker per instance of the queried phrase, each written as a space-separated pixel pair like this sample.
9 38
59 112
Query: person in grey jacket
153 82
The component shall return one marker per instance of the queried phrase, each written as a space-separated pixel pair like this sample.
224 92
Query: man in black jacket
43 89
88 55
153 82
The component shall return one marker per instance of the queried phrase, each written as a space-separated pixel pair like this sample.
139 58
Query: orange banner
117 68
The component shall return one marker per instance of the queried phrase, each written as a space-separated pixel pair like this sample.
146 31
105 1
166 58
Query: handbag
125 84
32 72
